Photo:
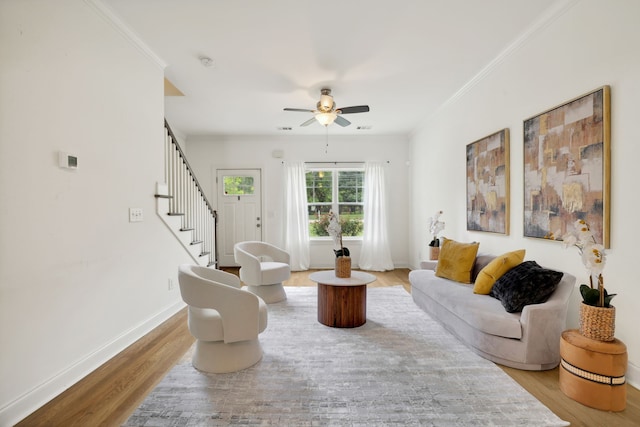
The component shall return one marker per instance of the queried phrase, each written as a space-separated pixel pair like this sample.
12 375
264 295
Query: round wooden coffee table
342 302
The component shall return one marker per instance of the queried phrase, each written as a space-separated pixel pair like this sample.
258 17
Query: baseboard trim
29 402
633 375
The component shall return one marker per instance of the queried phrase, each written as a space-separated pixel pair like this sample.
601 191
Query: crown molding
546 19
111 18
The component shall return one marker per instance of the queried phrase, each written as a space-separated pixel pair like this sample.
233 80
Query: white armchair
224 319
263 268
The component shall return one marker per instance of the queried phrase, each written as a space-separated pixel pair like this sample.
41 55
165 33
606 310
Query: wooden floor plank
107 396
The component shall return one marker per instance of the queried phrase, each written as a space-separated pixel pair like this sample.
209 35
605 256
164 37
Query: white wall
207 154
78 282
590 45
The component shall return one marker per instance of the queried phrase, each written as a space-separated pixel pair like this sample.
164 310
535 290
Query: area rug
400 368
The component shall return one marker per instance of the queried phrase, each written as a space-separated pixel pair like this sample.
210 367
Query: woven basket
597 323
434 252
343 266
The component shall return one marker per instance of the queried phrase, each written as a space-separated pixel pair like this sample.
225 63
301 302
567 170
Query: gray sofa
528 340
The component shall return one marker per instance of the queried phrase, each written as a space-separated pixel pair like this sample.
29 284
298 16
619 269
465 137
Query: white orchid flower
335 229
593 257
583 231
435 225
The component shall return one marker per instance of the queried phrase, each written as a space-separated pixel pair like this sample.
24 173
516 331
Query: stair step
175 214
211 264
204 253
187 229
162 196
196 242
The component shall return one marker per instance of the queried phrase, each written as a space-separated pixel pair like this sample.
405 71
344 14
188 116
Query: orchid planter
434 252
343 260
343 267
597 323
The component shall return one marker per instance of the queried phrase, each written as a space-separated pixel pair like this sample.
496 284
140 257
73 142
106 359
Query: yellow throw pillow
495 269
456 260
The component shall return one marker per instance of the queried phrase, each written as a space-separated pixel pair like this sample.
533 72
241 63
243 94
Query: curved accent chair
263 268
224 319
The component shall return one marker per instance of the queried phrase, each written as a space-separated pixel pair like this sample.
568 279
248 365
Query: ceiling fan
327 113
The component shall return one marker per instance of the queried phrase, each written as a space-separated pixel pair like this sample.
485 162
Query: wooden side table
593 372
342 302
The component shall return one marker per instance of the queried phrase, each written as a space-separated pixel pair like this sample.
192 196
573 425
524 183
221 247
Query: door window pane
238 185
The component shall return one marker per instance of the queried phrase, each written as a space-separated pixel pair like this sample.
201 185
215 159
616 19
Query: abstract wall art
567 158
488 183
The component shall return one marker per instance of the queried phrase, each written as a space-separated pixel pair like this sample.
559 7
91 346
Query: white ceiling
403 58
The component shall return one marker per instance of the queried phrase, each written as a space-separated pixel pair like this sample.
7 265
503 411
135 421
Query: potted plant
597 315
343 260
435 227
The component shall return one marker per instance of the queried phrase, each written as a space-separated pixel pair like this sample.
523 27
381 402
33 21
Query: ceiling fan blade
342 121
308 122
351 110
302 110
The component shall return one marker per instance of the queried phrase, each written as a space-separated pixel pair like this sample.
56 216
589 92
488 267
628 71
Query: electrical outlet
135 215
171 284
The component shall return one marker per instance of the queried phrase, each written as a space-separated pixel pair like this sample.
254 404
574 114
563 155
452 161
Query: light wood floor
110 394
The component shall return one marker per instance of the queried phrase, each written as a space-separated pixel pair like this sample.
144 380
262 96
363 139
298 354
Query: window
338 190
238 185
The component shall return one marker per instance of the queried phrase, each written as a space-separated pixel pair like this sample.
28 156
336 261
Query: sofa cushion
495 269
525 284
482 260
481 312
456 260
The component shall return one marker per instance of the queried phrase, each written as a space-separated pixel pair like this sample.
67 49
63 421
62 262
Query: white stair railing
187 200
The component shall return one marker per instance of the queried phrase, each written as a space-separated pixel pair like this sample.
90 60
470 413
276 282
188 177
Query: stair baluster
187 200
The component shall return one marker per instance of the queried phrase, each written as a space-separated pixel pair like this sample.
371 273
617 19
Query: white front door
239 210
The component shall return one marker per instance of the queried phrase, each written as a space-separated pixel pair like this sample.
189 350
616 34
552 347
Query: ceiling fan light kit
326 112
326 119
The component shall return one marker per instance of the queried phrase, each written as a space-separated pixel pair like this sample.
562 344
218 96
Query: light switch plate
135 215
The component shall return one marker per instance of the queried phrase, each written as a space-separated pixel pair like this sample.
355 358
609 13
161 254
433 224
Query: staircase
183 206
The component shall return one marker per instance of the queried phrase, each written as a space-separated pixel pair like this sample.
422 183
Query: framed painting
488 183
567 162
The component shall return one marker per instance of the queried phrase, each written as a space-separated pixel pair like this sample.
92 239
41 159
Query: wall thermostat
67 161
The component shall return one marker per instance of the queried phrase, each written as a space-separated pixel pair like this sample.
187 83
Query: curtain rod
335 163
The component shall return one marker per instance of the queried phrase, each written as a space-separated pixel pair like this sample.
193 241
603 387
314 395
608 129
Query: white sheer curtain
375 254
296 224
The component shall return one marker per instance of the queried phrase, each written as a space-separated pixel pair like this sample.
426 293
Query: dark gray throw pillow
526 283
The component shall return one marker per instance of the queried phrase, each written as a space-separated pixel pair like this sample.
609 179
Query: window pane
351 211
238 185
319 186
316 211
318 220
350 186
351 219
